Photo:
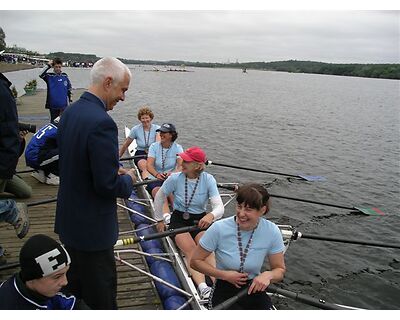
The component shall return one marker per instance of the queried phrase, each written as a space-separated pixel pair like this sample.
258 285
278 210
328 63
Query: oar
171 232
298 235
131 158
367 211
25 171
227 303
122 159
319 303
11 265
303 177
36 203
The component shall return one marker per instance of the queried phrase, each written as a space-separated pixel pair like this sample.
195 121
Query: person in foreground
192 189
44 265
86 214
145 134
241 243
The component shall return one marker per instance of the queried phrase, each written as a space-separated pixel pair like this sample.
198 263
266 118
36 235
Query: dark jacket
86 214
10 143
14 295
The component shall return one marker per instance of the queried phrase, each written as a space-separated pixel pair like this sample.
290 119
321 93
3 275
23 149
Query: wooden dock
135 290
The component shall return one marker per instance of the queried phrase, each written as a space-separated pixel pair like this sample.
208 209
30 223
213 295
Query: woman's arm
263 280
125 146
198 263
152 170
178 167
216 213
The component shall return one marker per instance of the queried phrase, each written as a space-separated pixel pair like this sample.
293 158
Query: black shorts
142 154
177 221
153 185
225 290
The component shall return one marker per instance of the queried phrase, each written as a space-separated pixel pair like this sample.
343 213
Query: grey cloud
332 36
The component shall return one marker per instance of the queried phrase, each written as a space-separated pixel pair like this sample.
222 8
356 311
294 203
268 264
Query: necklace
186 214
146 140
164 157
243 254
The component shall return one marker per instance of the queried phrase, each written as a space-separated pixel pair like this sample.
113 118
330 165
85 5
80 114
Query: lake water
345 129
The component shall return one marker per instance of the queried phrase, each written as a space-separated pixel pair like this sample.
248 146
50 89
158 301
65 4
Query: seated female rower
191 189
241 243
163 159
145 134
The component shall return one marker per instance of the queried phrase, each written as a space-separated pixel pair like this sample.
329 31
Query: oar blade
370 211
312 178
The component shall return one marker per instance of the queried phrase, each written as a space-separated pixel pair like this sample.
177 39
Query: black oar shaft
167 233
321 304
130 158
25 171
313 202
255 170
230 187
227 303
159 235
9 266
351 241
36 203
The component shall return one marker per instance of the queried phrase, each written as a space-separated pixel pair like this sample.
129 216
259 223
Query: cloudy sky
217 36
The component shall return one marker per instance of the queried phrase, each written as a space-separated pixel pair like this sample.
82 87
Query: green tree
2 39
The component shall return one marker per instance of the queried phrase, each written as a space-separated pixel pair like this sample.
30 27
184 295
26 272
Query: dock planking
135 291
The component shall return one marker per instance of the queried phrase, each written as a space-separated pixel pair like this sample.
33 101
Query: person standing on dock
58 88
12 143
86 214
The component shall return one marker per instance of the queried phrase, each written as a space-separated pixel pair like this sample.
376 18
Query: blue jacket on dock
58 89
86 214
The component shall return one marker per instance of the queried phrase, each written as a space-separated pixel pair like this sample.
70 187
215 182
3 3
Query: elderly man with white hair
90 181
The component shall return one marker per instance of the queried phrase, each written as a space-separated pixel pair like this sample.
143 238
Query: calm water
346 129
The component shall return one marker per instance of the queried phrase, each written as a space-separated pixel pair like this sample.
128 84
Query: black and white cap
41 256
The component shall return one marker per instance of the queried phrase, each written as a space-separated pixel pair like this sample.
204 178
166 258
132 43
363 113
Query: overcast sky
215 36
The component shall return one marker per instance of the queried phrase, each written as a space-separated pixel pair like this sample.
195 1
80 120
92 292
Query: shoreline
10 67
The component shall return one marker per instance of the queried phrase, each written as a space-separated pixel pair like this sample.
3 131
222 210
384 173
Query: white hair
109 67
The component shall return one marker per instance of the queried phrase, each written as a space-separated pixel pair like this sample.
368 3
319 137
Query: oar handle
227 303
159 235
351 241
131 158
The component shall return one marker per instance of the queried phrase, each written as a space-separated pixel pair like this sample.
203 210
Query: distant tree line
386 71
78 57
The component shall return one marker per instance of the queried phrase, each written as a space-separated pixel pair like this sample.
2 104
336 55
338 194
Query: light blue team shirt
137 133
155 151
206 189
221 238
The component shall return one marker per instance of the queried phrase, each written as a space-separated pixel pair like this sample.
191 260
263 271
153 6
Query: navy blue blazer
86 215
